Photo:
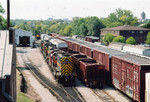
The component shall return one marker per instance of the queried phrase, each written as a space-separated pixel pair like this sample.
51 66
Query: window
141 32
132 31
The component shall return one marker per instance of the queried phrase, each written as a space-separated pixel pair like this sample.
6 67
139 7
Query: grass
21 97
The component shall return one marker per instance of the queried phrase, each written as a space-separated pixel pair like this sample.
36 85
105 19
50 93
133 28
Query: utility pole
8 14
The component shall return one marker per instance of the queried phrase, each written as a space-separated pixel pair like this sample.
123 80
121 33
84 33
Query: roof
23 31
112 52
126 27
93 37
6 50
134 59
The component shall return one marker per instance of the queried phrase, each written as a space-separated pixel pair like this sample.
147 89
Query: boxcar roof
97 47
112 52
134 59
5 54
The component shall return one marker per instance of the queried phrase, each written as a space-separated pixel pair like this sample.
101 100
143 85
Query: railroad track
104 96
63 94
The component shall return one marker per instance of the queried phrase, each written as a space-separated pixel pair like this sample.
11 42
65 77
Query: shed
23 38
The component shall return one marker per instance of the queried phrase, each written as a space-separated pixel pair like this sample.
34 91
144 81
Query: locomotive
61 63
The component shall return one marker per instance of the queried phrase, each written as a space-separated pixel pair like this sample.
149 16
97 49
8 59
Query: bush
109 37
148 38
131 40
119 39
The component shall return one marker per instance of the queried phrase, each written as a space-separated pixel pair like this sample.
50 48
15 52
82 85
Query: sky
44 9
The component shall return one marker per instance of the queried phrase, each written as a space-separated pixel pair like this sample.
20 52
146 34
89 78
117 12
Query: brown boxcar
101 57
76 47
86 50
128 75
69 45
91 39
91 72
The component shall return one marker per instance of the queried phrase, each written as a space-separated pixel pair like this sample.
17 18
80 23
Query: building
23 38
143 15
143 18
139 34
7 66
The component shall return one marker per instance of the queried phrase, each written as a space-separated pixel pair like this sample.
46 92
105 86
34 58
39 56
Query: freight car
88 70
60 62
133 49
101 54
128 75
127 71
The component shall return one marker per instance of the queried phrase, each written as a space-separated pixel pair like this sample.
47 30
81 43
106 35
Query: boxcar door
123 76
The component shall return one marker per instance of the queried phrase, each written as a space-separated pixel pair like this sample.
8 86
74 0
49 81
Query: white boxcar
116 45
147 89
20 34
59 44
43 36
137 49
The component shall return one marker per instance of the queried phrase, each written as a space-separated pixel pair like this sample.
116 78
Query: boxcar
76 47
91 39
86 50
128 75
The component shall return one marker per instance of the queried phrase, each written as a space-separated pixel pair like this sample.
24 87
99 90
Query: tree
54 28
148 38
67 30
3 22
147 25
109 37
94 25
119 39
131 40
120 17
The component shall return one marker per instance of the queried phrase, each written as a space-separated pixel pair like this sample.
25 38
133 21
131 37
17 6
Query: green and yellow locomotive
59 61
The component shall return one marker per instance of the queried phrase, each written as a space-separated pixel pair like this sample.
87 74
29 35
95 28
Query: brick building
139 34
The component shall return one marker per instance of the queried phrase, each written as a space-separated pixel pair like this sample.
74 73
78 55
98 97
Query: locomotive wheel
91 84
87 84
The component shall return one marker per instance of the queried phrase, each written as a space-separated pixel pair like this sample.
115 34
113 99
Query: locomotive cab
63 64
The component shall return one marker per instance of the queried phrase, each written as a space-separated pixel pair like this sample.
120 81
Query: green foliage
23 26
67 30
147 25
131 40
94 26
3 22
109 37
120 17
79 26
1 9
148 38
119 39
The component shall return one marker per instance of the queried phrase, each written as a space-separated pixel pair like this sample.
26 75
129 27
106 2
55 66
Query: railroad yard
39 76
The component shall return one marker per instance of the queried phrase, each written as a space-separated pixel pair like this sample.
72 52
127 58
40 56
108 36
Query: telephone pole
8 14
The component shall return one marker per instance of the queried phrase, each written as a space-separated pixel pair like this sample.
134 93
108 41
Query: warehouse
23 38
7 66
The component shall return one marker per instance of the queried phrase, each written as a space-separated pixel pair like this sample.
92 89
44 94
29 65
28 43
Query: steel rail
43 83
